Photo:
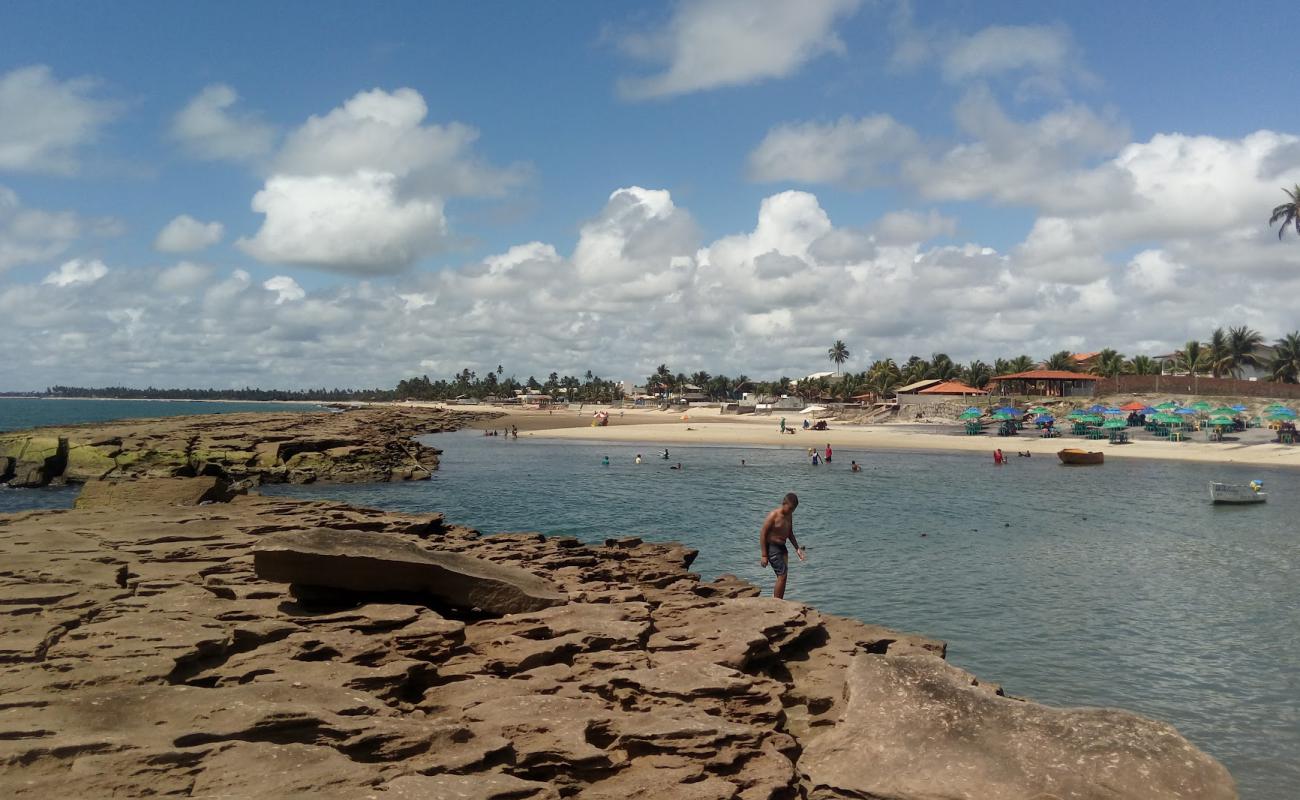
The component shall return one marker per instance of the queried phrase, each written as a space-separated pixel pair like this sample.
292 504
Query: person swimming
638 458
679 466
853 465
604 462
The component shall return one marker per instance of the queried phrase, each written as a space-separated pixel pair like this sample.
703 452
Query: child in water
604 462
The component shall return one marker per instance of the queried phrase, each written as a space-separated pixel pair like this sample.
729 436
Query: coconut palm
883 383
942 367
1193 358
839 353
1021 363
1110 364
1060 360
1142 365
1219 361
977 374
1285 366
1242 350
915 369
1288 213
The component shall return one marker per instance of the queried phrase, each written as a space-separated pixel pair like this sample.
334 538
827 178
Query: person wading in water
777 528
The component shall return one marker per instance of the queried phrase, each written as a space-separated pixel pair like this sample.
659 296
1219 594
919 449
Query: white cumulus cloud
850 152
44 122
714 43
185 234
354 223
285 288
209 129
76 271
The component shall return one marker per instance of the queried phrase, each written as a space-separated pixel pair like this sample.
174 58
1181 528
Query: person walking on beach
782 424
777 528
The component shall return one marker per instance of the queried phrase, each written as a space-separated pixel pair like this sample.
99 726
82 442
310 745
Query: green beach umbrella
1201 405
1040 410
1223 411
1167 419
969 414
1221 422
1167 406
1003 415
1114 423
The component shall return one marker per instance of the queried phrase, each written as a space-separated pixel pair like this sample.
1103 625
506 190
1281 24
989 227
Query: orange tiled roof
952 387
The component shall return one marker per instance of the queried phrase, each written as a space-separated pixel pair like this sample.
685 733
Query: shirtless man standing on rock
777 528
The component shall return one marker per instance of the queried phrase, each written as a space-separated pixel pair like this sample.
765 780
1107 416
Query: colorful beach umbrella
1045 420
1148 410
1113 411
1096 408
1185 411
1221 422
1238 408
1165 418
1168 405
1201 405
969 414
1040 410
1114 423
1223 411
1132 406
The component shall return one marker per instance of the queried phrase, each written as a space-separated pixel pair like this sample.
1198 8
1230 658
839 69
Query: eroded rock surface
361 445
357 561
141 654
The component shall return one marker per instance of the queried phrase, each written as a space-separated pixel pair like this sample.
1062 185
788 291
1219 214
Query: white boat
1238 493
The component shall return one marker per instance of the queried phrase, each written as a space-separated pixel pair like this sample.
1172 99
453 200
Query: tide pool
1118 585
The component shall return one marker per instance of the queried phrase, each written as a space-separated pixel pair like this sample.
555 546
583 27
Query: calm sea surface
17 413
1113 586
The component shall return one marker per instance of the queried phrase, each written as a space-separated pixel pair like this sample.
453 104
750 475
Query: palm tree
839 353
1219 361
882 383
1060 360
1242 346
1110 364
977 374
1021 364
1285 366
942 367
915 369
1288 213
1143 365
1193 359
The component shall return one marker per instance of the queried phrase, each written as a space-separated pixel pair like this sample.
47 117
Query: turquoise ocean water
1112 586
17 413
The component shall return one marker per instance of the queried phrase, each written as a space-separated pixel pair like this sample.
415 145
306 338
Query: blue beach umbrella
1149 410
1112 411
1096 409
1045 420
1185 411
1238 408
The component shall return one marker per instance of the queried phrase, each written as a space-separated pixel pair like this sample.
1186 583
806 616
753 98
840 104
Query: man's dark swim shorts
776 557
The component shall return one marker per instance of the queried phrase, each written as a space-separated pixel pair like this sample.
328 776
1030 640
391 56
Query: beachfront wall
1201 385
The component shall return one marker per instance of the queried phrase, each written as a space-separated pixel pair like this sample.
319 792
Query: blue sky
1004 173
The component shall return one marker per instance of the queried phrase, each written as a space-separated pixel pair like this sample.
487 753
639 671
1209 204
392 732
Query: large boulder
371 562
918 727
156 491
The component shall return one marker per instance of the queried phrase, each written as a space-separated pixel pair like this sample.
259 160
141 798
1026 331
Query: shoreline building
1046 383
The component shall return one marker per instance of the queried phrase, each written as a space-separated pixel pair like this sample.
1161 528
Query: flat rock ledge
140 654
361 445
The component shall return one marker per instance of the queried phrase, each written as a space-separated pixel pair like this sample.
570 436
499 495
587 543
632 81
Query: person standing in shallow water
777 528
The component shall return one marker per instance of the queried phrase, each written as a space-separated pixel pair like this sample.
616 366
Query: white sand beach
708 426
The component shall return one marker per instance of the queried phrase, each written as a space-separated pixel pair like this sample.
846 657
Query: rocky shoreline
143 653
363 445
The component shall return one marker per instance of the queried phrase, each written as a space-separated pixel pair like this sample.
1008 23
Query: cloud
1051 162
44 122
386 132
641 287
708 44
75 272
850 152
1042 58
354 224
185 234
31 236
362 189
285 288
999 49
207 128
